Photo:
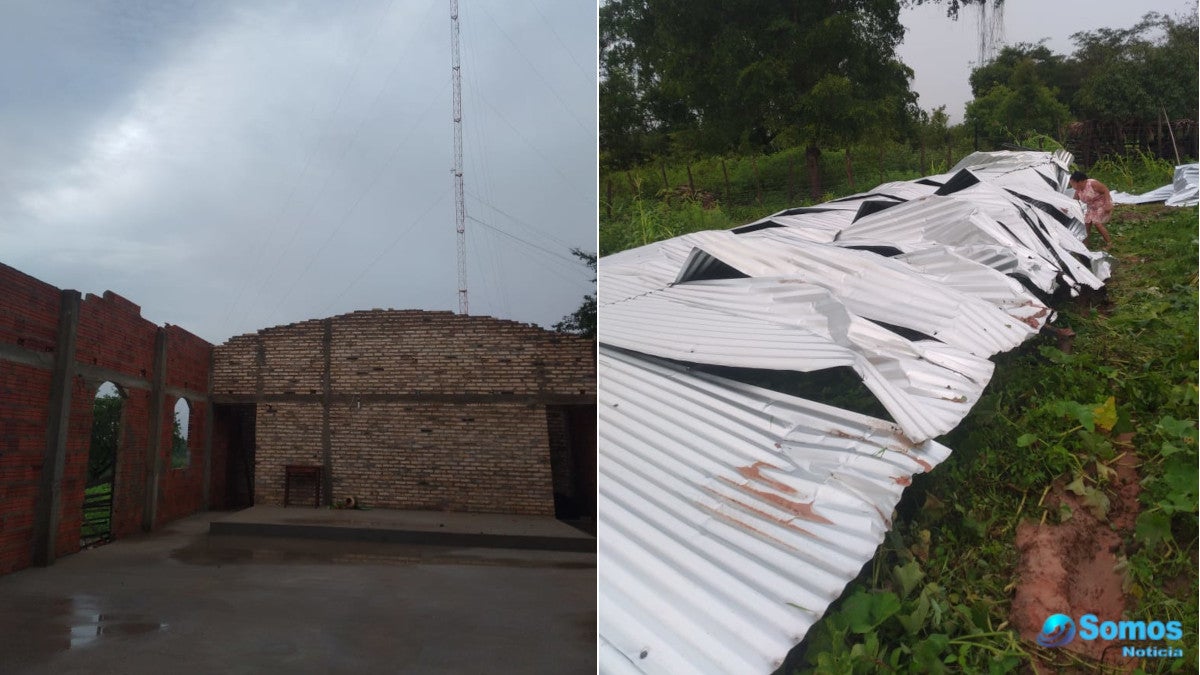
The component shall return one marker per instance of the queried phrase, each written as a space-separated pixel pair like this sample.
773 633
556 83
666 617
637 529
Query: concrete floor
182 601
439 528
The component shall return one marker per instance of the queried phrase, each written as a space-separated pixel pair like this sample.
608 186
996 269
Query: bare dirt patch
1073 567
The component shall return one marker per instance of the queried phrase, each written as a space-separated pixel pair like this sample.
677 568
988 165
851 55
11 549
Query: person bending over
1096 197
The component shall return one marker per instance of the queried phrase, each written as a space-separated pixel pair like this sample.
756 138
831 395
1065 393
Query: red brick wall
24 393
429 410
112 335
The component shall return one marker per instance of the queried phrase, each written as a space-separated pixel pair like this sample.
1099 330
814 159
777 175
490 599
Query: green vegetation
1116 77
711 76
106 429
583 320
97 512
721 192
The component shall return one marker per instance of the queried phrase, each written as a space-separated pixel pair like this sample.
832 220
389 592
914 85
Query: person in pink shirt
1096 197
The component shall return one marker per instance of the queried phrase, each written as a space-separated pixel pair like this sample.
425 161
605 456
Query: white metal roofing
1184 190
732 515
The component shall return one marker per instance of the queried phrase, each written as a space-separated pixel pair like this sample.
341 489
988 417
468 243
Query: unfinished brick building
56 349
413 410
399 409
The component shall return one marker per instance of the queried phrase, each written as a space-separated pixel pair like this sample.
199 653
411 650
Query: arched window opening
179 434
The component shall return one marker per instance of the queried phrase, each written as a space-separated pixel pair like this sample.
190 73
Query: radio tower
460 204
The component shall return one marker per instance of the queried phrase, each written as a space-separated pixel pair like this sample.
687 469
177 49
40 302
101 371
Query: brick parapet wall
235 366
427 410
112 342
410 352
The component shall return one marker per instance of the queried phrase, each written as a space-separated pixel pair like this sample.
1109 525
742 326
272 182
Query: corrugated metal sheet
779 324
870 285
731 515
1184 190
721 546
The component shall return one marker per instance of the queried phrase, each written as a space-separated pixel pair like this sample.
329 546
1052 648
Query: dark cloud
234 166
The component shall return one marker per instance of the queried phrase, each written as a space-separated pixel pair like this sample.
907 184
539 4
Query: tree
1054 70
952 6
1017 108
1131 74
583 320
735 75
106 433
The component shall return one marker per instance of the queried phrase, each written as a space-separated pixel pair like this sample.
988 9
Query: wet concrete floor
182 601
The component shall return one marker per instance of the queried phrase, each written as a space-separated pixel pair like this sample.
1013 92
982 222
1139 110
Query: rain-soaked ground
182 601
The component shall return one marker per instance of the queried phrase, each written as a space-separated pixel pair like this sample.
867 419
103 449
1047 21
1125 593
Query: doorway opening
107 408
237 423
572 431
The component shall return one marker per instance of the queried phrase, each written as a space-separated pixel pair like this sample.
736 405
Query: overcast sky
233 165
942 52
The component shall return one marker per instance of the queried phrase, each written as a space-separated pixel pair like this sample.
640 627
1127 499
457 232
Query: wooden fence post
849 168
757 179
725 171
791 179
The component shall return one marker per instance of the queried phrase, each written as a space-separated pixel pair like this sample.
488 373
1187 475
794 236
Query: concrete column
208 443
326 402
154 452
48 508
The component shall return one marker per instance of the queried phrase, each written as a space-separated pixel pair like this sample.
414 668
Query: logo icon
1058 630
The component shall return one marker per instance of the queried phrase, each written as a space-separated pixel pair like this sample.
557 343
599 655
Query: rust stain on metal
730 520
754 472
800 509
786 522
924 465
902 480
886 521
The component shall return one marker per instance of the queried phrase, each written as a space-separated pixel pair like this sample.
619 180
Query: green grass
97 512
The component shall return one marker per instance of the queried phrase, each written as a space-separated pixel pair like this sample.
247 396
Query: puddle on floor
88 622
45 626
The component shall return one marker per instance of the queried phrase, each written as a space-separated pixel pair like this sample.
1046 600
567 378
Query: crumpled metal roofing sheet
782 324
870 285
720 548
731 515
1184 190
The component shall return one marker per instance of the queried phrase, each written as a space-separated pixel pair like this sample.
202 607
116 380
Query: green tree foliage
1115 76
1054 70
953 6
714 75
1132 74
1022 106
583 320
179 445
106 433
